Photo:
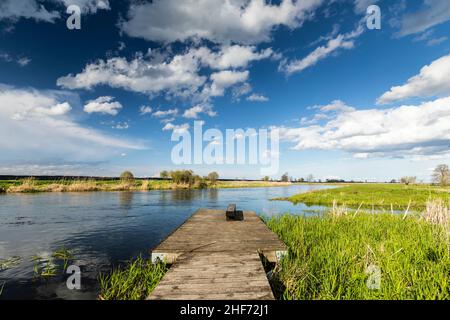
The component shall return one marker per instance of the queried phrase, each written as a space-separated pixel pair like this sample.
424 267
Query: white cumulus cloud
165 113
433 80
409 130
145 110
177 128
224 79
231 21
257 98
139 74
193 113
231 56
104 105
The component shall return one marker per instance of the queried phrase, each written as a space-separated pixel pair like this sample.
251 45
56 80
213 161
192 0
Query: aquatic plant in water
63 254
135 281
50 268
9 262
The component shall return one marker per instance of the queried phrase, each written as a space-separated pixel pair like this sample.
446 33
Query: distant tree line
440 176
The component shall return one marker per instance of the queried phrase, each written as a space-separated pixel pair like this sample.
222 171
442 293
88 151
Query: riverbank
31 185
367 256
378 196
340 256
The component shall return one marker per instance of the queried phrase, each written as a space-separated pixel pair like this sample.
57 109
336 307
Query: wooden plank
217 259
190 279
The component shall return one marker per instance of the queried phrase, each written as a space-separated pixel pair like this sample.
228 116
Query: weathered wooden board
217 259
193 277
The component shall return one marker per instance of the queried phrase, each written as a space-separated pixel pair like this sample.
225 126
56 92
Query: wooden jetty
217 259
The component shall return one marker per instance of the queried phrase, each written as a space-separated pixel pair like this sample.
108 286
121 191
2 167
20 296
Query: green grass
135 281
374 195
329 258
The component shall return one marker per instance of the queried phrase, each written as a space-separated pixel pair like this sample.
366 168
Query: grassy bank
31 185
395 196
342 257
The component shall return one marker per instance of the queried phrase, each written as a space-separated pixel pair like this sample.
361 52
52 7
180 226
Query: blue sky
349 102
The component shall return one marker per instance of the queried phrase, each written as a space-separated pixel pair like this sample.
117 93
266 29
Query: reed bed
340 256
31 185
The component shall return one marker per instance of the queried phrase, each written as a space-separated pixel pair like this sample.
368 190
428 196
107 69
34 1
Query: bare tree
441 175
310 178
285 177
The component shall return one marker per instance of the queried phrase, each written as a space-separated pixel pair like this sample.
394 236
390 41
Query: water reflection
126 199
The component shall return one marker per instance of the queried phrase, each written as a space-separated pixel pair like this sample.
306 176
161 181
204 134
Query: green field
377 196
334 258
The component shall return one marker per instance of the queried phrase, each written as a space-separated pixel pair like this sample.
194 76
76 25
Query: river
105 229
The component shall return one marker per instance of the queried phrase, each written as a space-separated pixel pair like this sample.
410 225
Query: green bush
127 176
183 177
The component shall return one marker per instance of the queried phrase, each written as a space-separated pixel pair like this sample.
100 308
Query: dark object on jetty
2 190
233 214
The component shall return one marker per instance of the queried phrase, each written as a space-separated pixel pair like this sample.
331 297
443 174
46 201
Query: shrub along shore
339 256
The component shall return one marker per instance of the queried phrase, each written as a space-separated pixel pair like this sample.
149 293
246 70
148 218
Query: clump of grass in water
133 282
10 262
50 269
330 258
63 254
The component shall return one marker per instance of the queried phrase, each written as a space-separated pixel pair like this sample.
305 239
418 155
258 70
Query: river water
105 229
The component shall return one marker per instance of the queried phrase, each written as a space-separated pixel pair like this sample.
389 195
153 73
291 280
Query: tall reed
336 258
